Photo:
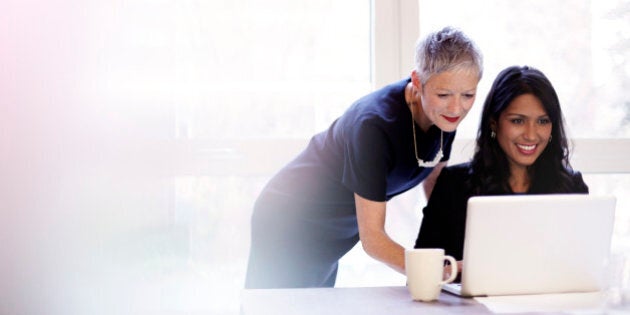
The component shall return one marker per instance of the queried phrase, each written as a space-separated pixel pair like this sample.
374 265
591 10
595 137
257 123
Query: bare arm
375 241
429 182
371 220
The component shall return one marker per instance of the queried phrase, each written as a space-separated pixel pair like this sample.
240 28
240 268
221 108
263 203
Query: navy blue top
368 150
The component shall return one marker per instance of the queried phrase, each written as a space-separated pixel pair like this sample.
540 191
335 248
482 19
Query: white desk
364 301
396 300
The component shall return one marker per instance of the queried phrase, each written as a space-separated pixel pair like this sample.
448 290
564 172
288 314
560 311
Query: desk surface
381 300
374 300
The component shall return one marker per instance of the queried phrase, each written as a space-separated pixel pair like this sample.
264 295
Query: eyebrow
451 91
523 115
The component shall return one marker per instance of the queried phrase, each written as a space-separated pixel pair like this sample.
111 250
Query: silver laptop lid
532 244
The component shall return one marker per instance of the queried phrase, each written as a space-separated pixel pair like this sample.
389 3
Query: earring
550 138
494 134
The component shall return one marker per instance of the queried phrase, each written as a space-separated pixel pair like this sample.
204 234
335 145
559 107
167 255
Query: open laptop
535 244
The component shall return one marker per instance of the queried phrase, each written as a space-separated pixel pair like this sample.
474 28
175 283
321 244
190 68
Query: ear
415 80
493 125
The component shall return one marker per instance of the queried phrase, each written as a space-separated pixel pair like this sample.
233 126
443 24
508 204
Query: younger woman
521 149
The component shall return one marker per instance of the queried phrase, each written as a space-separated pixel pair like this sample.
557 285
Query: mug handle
454 270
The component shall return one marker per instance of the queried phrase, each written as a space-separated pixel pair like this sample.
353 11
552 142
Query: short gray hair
446 50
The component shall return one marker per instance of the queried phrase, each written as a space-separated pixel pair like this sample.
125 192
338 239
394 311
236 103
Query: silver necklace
438 156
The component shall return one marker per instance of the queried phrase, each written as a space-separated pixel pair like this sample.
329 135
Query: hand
448 269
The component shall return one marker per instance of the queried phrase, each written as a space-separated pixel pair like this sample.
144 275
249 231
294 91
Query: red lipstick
451 119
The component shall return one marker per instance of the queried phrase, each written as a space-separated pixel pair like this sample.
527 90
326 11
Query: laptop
535 244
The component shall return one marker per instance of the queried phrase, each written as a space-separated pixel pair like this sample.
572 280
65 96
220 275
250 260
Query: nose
456 106
530 132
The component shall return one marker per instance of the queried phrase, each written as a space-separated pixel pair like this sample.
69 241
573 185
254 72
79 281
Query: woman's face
523 131
447 97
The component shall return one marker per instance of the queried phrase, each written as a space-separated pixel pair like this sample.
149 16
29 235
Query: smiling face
446 98
523 131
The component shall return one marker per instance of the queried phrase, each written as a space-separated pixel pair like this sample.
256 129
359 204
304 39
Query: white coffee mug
425 268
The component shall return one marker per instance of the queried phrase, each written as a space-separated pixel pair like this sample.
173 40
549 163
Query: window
135 139
284 71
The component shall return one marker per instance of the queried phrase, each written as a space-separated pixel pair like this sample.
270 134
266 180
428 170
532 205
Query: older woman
335 192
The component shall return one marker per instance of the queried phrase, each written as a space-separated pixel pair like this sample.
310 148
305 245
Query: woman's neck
519 180
415 106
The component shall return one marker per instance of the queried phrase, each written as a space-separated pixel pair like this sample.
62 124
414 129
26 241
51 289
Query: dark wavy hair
551 172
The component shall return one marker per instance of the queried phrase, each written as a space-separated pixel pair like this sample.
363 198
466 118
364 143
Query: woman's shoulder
574 174
384 103
577 182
